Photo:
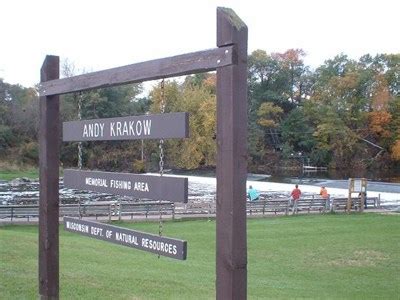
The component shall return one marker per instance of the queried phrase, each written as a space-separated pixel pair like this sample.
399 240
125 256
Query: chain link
161 146
79 146
162 102
80 143
161 162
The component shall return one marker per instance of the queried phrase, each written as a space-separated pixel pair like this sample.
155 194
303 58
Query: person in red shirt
296 193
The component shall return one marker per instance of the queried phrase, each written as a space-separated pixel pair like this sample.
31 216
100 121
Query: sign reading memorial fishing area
169 188
164 246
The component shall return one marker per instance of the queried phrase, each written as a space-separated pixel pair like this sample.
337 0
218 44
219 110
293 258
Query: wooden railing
117 209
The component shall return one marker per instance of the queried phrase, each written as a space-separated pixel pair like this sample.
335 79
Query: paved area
372 186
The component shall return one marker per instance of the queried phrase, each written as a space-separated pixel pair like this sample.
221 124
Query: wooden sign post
231 240
359 186
229 59
49 191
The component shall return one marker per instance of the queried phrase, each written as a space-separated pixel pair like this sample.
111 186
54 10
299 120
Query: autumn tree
270 115
343 114
197 97
355 97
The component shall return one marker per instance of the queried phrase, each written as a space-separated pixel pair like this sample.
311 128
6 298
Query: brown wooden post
351 186
362 201
49 177
231 243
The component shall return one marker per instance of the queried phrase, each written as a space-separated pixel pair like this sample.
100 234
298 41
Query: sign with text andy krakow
161 126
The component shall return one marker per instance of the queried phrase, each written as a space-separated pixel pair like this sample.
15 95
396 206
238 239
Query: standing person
295 196
324 194
252 194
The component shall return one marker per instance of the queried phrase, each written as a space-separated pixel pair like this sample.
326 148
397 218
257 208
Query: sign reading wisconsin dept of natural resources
153 187
148 242
171 125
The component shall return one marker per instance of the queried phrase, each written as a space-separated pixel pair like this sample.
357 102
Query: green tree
103 103
18 123
297 132
278 83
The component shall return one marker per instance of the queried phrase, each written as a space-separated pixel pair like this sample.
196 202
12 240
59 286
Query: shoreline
205 187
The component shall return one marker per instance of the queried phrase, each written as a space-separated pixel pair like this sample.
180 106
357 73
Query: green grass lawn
315 256
31 173
11 174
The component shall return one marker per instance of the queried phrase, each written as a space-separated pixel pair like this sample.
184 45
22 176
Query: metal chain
161 146
79 148
161 162
80 143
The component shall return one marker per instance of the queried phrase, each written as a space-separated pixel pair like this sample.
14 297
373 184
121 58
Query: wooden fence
117 210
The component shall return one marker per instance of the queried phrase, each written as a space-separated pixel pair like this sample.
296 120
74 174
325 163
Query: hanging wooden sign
153 187
164 246
230 62
161 126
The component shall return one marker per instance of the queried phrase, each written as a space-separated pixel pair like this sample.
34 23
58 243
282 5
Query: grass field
31 173
11 174
316 256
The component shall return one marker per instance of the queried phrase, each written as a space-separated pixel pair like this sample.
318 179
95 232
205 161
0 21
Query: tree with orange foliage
396 150
379 122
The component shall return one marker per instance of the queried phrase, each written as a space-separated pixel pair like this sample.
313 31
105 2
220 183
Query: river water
203 188
390 176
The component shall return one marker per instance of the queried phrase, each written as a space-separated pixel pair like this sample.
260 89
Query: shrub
29 153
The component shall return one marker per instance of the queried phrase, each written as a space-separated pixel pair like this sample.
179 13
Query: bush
29 153
139 166
6 139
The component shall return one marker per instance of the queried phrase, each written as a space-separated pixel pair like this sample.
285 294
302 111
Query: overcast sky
97 35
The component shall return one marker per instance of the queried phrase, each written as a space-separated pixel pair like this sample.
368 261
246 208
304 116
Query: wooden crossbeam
185 64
